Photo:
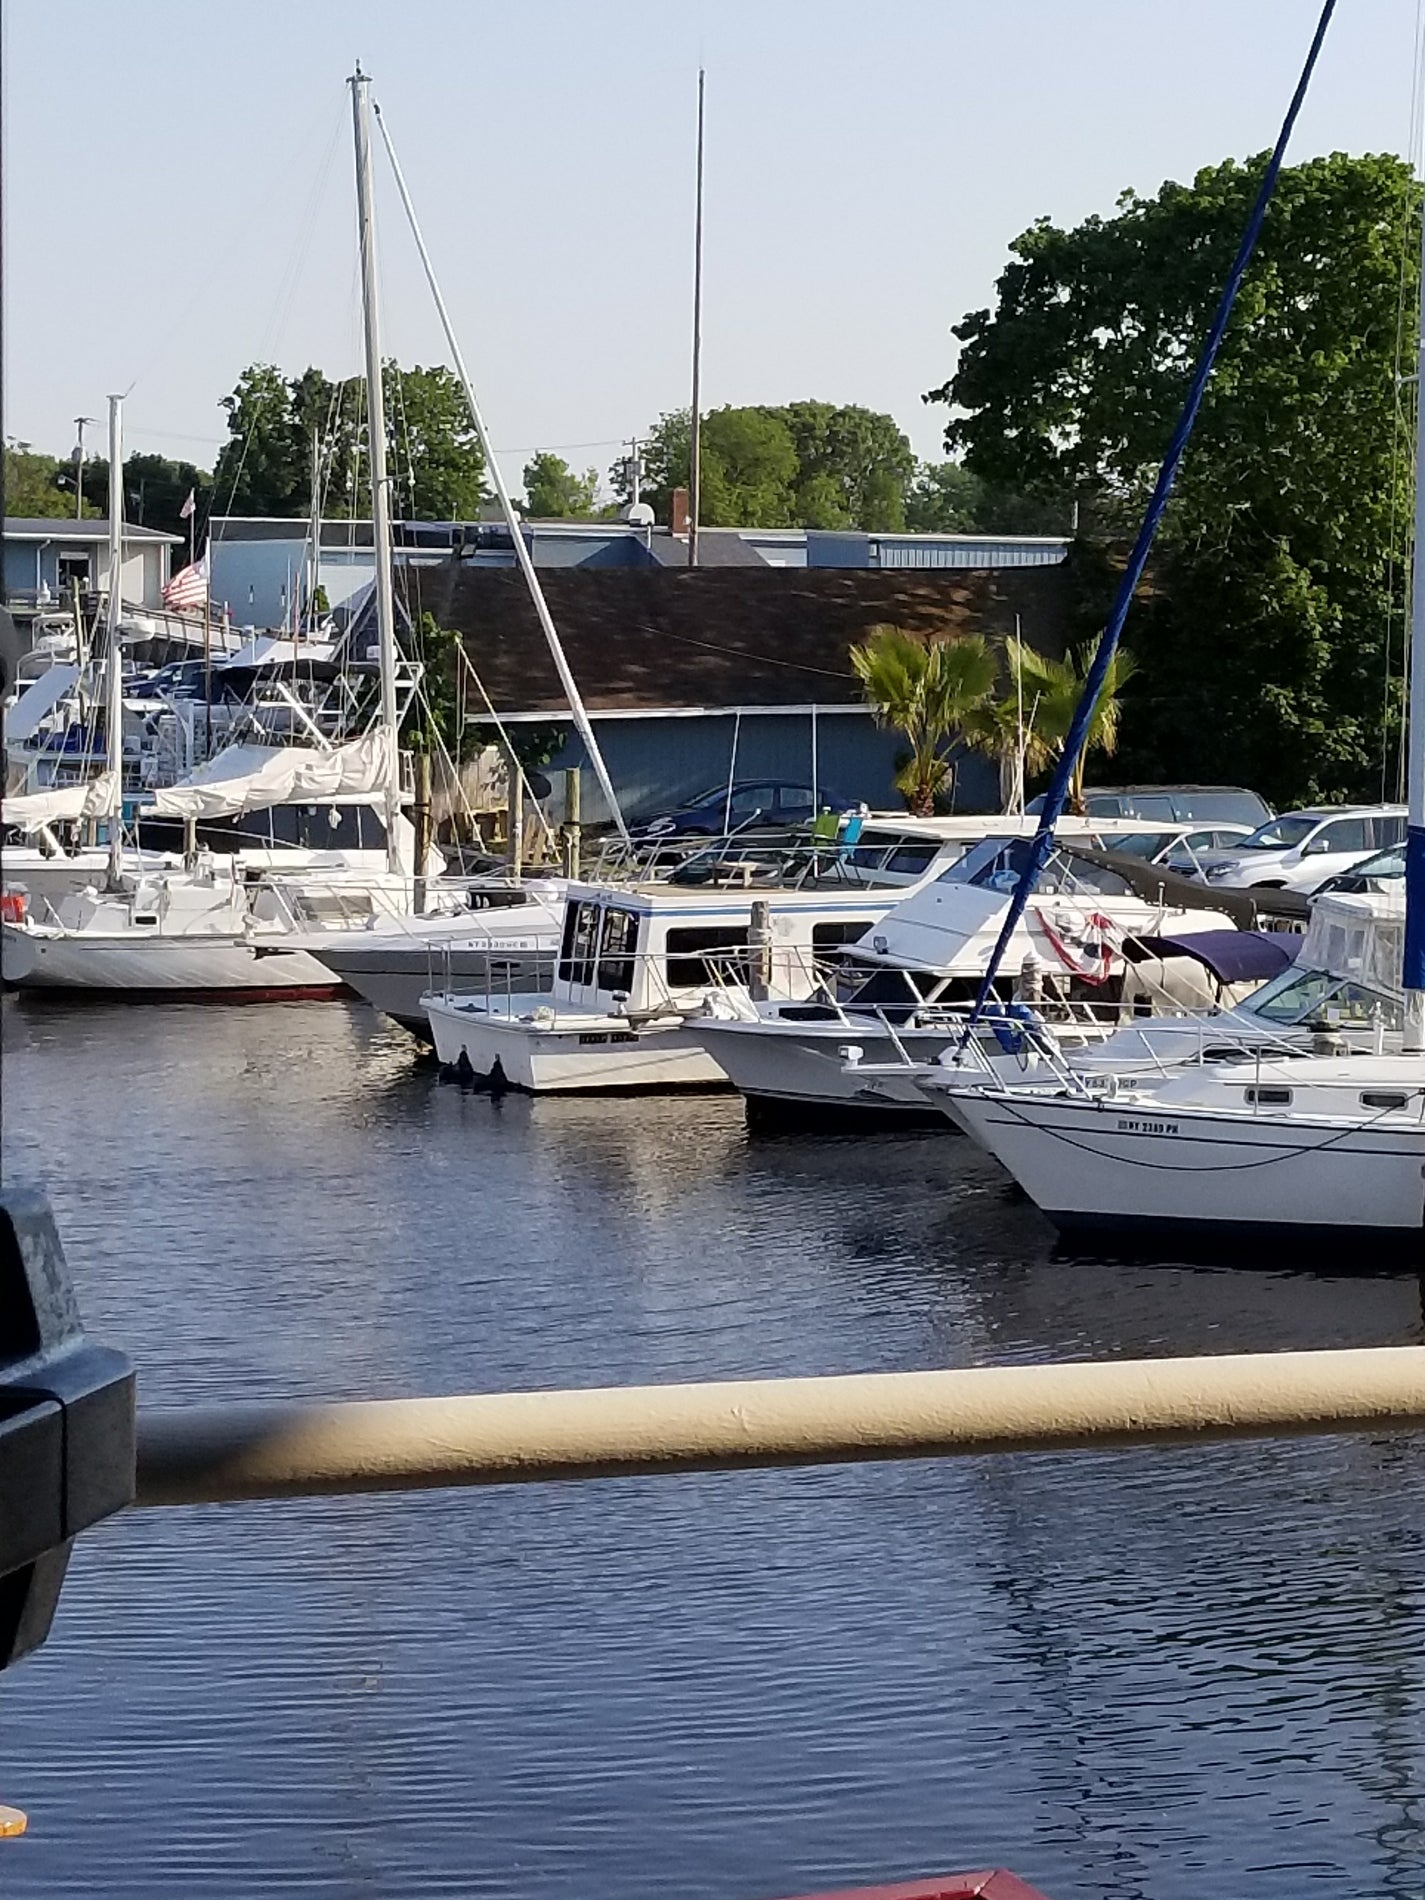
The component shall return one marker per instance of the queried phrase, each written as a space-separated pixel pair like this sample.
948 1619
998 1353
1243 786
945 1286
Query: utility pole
634 464
695 447
81 423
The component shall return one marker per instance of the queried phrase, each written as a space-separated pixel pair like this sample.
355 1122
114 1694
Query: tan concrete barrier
206 1454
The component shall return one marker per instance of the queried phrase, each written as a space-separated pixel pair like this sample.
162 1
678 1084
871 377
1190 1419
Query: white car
1182 848
1299 850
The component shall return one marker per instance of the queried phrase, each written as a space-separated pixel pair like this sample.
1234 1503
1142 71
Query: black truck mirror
66 1423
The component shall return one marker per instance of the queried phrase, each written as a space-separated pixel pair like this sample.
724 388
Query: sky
180 200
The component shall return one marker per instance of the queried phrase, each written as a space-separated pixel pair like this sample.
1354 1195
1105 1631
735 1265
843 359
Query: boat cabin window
832 936
1268 1097
697 956
910 859
618 944
1383 1098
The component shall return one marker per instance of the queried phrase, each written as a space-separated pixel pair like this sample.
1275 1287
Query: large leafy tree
553 492
38 486
802 464
1262 639
275 424
927 690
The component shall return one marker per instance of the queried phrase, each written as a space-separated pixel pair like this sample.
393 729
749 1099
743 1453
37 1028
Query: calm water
1151 1674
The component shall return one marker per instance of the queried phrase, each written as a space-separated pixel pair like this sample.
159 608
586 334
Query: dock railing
219 1453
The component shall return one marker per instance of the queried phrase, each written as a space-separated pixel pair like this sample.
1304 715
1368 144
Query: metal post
515 843
422 815
572 825
376 445
81 423
114 697
695 443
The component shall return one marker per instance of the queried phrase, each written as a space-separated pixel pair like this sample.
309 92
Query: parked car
1174 804
1181 848
761 804
1300 850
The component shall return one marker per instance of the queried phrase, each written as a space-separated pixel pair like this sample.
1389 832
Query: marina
712 1175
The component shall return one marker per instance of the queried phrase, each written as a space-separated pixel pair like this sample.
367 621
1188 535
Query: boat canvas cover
1233 956
93 798
1359 936
246 778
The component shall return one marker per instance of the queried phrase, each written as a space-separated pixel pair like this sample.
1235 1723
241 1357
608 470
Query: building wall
663 760
30 564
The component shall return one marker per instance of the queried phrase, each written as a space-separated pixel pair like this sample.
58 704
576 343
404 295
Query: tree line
803 464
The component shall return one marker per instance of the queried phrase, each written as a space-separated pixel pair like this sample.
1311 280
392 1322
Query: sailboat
210 928
1325 1142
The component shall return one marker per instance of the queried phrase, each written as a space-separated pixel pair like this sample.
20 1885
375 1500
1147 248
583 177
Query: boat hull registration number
1140 1125
591 1036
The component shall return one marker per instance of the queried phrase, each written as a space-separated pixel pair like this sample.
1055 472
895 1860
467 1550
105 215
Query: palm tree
927 690
1007 729
1055 687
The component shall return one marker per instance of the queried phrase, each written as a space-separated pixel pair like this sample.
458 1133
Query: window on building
73 570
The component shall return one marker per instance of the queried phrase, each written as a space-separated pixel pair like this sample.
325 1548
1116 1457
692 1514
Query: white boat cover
248 777
38 699
94 798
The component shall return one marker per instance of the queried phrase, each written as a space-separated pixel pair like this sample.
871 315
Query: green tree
35 485
1262 636
433 455
927 690
156 488
860 455
944 498
803 464
553 492
1050 690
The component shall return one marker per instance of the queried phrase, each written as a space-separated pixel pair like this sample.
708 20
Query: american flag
189 586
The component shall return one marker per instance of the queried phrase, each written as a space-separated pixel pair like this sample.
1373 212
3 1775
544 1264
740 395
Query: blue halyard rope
1055 797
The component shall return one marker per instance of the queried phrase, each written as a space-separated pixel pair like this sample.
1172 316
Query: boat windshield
1282 834
997 864
1301 996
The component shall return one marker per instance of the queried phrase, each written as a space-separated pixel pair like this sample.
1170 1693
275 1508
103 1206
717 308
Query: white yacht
904 987
1298 1109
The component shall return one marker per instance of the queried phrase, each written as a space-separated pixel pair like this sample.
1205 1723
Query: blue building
694 674
45 560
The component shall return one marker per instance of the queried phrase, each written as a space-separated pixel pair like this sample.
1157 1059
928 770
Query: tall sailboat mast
380 486
1414 960
114 670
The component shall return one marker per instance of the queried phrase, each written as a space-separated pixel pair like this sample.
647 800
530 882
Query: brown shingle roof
645 639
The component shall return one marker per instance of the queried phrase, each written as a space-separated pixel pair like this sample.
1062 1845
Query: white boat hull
489 1041
395 980
799 1068
167 966
1128 1167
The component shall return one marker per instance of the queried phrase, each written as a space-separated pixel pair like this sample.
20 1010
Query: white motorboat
638 963
905 987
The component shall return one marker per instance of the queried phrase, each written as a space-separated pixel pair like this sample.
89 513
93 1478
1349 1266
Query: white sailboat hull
1133 1167
497 1044
144 966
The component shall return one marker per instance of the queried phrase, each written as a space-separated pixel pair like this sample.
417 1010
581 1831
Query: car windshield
1281 834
